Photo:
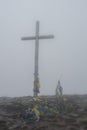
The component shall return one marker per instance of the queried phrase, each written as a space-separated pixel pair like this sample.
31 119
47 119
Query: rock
72 128
14 127
69 119
83 121
73 115
3 125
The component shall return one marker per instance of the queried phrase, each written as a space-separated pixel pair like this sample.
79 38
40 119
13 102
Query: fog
64 57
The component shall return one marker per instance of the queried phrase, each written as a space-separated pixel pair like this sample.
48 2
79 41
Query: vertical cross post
36 57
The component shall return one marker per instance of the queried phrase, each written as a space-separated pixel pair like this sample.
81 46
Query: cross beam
37 37
40 37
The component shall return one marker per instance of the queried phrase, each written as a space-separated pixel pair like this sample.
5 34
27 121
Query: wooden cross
37 37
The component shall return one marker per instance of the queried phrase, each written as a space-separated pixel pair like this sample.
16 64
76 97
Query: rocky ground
75 119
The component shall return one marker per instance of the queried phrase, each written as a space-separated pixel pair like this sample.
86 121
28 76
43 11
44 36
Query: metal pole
36 56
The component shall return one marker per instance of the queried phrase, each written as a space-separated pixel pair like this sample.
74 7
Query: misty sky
64 57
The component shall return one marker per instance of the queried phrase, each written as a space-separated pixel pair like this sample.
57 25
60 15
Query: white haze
64 57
